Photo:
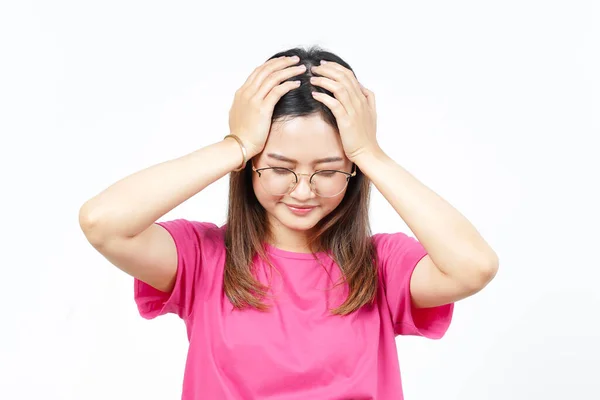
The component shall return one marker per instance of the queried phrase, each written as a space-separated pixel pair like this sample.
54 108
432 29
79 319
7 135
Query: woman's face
304 145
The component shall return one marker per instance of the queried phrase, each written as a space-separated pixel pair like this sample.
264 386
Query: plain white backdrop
494 105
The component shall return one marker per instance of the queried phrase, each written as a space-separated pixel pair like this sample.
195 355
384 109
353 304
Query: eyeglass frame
310 184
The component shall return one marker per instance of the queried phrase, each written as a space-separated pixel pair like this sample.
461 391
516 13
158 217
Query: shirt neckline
292 254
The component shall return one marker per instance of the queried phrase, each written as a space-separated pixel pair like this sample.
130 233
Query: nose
302 191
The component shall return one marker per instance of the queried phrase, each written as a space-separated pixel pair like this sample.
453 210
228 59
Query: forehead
304 139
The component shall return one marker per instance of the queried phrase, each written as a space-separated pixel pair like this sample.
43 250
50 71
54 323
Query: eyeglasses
279 181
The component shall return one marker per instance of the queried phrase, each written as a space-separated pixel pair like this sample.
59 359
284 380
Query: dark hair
345 232
299 102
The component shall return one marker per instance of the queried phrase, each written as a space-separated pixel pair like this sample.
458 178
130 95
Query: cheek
328 205
266 200
331 204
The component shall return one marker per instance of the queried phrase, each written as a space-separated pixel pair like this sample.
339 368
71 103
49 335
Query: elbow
483 272
475 273
89 226
87 219
490 266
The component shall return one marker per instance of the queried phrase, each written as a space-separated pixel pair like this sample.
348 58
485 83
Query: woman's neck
288 239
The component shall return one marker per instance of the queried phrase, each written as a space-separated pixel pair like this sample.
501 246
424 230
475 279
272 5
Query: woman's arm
135 202
459 261
120 221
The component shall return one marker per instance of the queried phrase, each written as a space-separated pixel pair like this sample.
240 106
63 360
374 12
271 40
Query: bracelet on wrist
243 148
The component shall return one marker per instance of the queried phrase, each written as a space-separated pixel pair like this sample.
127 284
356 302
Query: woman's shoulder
395 244
385 238
199 231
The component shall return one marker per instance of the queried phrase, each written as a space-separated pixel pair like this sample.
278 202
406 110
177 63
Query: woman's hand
253 104
353 107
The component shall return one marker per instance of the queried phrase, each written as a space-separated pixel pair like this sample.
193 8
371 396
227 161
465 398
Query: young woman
292 298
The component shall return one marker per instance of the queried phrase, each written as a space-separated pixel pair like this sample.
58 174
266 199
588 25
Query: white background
491 104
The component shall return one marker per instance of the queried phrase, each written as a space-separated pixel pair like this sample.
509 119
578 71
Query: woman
293 298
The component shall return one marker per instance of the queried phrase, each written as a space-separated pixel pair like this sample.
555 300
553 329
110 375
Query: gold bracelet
244 154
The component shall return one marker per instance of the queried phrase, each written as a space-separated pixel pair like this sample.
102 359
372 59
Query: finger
277 92
257 70
340 73
277 77
339 91
267 69
369 95
334 105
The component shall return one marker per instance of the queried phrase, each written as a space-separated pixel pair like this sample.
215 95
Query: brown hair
345 232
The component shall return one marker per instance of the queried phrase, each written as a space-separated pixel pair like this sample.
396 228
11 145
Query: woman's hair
344 233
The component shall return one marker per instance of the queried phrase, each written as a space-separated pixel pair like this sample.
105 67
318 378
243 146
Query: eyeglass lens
280 181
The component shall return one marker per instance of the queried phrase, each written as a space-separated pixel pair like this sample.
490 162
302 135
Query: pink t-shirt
297 350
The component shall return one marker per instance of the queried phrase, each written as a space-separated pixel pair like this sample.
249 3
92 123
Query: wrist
237 142
368 155
251 152
251 149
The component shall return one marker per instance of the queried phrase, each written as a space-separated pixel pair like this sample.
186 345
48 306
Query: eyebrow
290 160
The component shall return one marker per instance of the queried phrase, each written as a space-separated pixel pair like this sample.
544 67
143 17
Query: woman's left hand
353 107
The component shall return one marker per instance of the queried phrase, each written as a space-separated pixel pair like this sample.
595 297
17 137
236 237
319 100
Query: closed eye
281 171
327 174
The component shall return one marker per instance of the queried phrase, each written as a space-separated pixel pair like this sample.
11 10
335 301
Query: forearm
135 202
451 241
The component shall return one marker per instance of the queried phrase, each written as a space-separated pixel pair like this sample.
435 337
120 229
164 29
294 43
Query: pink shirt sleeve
190 240
398 255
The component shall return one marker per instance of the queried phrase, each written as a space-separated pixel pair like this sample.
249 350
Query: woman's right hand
253 104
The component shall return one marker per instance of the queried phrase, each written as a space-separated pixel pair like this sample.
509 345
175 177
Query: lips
300 210
299 207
